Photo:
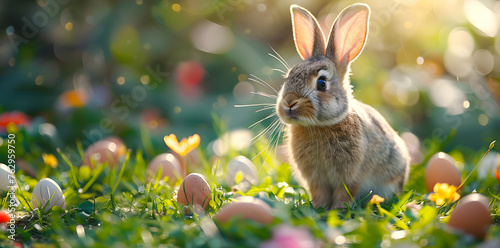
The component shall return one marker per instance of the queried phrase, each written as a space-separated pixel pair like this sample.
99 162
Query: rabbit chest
327 153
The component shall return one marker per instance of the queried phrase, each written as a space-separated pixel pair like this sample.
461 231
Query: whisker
254 105
261 120
281 59
260 93
261 150
261 82
274 126
272 143
265 108
265 131
279 70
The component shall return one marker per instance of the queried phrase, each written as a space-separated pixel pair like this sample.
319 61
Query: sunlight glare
481 17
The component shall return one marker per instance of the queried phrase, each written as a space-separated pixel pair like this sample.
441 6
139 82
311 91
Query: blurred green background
84 70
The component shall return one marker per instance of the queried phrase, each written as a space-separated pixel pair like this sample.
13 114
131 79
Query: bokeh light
481 17
192 60
243 91
212 38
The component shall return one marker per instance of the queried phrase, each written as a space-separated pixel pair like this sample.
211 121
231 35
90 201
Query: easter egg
246 167
194 190
472 216
247 208
101 152
441 169
6 176
47 194
122 148
169 166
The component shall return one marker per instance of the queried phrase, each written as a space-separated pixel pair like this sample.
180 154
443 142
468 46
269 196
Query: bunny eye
321 84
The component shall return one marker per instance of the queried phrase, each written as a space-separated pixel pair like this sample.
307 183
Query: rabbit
333 139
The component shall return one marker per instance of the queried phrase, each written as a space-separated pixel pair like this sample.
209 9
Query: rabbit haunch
332 138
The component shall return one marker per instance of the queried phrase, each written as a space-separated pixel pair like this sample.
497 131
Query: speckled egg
194 190
6 176
102 151
472 215
47 193
247 208
247 168
169 166
441 169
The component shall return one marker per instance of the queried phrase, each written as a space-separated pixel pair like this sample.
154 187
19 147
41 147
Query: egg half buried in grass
169 166
6 176
472 215
122 148
441 169
47 194
104 151
194 190
247 169
247 208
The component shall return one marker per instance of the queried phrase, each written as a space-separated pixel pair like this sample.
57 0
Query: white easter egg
47 193
6 176
247 168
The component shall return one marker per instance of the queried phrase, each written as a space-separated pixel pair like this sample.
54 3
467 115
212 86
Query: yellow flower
444 192
185 146
50 160
376 199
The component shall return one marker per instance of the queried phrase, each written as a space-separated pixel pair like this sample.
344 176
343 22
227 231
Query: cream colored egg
101 152
194 190
169 166
6 177
247 168
441 169
246 208
472 216
47 194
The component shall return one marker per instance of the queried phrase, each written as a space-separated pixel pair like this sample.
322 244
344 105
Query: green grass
112 208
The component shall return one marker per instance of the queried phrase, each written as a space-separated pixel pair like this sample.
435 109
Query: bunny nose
290 100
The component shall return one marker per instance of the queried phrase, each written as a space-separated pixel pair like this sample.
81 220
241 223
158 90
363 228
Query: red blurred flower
189 75
4 217
15 117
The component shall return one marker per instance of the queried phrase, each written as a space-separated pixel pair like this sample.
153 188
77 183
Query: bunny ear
308 37
348 35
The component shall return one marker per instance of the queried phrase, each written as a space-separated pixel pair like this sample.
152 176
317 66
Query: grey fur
332 138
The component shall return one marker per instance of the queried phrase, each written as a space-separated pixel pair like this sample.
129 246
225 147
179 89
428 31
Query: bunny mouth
298 111
291 114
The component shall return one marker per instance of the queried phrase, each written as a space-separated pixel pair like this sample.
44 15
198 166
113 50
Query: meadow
141 114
